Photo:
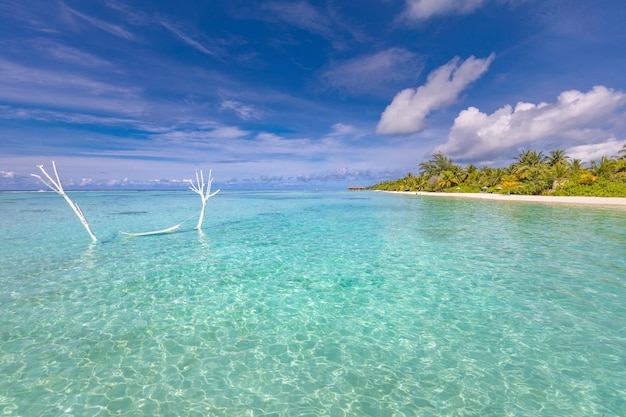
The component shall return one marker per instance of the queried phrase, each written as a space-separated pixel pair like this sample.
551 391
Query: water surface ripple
311 304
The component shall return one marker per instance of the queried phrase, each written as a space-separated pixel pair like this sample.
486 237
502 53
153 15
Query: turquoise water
311 304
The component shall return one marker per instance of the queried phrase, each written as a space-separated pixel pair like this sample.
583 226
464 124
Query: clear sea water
311 304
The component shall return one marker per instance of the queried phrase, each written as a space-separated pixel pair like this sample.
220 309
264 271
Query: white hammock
159 232
154 232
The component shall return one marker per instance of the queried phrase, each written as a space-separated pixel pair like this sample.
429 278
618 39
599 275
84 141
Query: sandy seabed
592 201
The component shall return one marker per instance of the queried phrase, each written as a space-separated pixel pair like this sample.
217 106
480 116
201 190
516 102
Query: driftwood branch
204 191
56 186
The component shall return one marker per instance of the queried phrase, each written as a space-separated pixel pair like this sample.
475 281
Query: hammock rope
162 231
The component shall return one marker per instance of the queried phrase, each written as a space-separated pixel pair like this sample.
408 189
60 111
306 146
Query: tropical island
532 173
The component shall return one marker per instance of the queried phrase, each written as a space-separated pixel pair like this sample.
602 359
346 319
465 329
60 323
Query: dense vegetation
532 173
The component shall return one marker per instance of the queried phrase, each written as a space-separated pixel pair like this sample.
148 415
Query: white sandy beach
592 201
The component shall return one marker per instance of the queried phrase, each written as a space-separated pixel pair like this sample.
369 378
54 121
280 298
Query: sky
301 94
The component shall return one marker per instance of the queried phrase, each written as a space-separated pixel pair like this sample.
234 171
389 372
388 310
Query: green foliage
464 188
599 188
532 173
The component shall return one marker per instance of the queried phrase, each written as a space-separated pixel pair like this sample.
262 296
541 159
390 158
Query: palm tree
559 170
442 161
576 165
472 175
530 158
427 169
528 164
531 173
459 173
493 176
604 168
435 165
445 180
421 183
557 156
448 179
509 182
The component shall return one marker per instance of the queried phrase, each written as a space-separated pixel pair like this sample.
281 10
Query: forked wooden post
57 187
204 191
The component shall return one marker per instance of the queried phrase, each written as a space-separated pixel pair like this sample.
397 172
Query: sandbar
582 200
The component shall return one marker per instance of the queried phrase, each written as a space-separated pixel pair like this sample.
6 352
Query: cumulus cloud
371 72
408 111
425 9
596 151
574 119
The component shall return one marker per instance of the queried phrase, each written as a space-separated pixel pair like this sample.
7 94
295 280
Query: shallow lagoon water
311 304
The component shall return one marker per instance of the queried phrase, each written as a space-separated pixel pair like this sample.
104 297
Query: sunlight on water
311 304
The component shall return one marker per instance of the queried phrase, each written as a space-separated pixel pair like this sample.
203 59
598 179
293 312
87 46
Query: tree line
532 173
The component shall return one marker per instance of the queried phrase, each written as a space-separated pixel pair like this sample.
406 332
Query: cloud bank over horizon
574 120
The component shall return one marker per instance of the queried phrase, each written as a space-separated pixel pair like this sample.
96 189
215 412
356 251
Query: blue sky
304 94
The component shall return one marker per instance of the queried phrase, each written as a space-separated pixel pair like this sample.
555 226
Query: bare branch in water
57 187
204 191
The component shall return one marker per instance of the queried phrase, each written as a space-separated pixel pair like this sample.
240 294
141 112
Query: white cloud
325 21
302 15
267 144
596 151
409 108
244 111
425 9
8 174
197 135
186 38
367 73
69 55
135 17
342 130
65 89
100 24
574 119
229 132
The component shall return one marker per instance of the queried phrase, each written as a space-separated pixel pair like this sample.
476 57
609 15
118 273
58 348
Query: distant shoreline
581 200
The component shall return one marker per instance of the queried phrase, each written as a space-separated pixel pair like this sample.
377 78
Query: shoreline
578 200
